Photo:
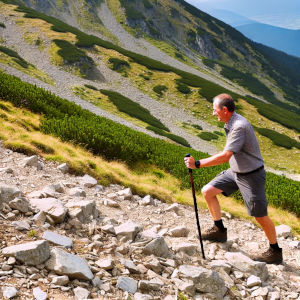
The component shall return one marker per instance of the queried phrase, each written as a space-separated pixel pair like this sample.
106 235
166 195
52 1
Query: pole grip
189 155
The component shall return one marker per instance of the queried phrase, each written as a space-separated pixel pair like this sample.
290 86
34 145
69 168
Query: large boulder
63 263
51 207
205 281
33 253
247 265
85 211
129 230
157 247
8 193
21 204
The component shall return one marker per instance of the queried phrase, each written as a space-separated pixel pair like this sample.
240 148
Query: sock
275 246
220 225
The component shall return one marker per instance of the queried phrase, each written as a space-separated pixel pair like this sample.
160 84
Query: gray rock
60 280
216 265
227 279
158 247
273 296
174 207
97 281
106 264
31 161
111 203
49 192
140 296
8 193
81 293
129 230
108 229
39 294
247 265
205 281
185 286
77 192
262 291
169 297
33 253
85 211
88 181
57 187
105 287
39 219
154 265
187 248
152 285
253 281
21 225
58 239
9 292
146 201
20 204
127 284
294 244
6 170
63 168
128 264
284 230
180 231
63 263
126 193
51 207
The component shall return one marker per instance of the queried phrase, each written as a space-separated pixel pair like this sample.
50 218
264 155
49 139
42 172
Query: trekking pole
196 208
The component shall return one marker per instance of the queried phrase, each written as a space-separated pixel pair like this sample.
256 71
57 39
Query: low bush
171 136
159 89
197 126
278 139
2 25
208 62
133 109
118 64
207 136
91 87
16 57
147 4
219 133
183 88
144 76
44 148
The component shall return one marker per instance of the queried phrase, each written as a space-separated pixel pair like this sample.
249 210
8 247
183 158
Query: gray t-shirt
241 140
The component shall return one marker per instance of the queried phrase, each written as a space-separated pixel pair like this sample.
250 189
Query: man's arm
214 160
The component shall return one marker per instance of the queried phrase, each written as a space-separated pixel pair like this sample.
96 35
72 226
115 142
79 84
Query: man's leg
210 195
268 227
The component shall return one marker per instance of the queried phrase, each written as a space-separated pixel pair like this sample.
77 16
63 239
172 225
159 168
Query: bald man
246 173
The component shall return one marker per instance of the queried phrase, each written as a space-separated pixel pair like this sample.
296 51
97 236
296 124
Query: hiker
246 173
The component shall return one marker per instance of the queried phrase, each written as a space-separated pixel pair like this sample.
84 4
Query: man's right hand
190 162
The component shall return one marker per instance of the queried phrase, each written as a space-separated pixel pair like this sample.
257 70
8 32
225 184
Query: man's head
223 107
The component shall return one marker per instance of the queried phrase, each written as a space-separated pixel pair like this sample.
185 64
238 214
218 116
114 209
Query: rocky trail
66 237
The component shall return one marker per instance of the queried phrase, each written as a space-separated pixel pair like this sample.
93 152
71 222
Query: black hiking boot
214 234
271 256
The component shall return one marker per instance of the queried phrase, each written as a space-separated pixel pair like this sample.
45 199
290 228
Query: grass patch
91 87
159 89
44 148
207 136
218 133
197 127
118 64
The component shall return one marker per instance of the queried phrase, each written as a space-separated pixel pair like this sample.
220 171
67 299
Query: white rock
187 248
158 247
129 230
140 296
180 231
111 203
58 239
106 264
6 170
174 207
294 244
263 292
284 231
9 292
60 280
88 181
85 211
126 193
39 294
81 293
77 192
20 204
8 193
21 225
31 161
253 281
63 168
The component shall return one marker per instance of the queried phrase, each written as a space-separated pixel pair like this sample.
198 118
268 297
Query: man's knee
210 191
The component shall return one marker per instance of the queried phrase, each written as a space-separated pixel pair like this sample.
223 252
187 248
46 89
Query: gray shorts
252 187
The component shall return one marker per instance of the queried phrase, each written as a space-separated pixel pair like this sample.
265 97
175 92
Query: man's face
219 112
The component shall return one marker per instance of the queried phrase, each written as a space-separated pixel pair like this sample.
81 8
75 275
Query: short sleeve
235 140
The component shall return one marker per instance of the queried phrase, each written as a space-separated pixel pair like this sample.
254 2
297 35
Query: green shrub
201 31
17 58
91 87
182 88
159 89
69 52
154 31
4 107
179 55
144 76
133 109
208 136
278 139
219 133
208 62
2 25
118 64
171 136
133 14
197 126
147 4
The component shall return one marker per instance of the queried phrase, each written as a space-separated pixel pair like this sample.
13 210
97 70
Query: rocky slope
65 237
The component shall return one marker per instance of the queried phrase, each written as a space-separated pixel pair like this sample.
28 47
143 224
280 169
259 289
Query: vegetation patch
207 136
91 87
208 62
133 109
182 88
144 76
118 64
218 133
159 89
2 25
147 4
171 136
44 148
16 57
278 139
197 127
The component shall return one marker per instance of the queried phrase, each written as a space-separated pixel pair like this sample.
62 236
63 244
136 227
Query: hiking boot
271 256
214 234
